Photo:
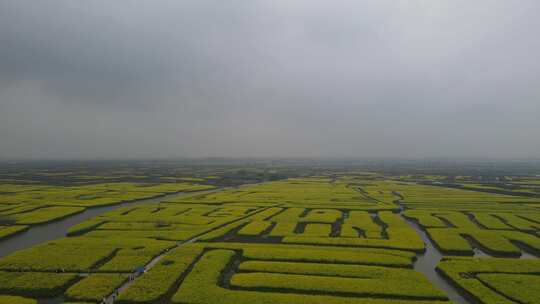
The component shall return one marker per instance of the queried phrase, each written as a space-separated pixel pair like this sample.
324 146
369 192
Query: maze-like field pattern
499 234
495 280
291 275
312 240
463 222
24 205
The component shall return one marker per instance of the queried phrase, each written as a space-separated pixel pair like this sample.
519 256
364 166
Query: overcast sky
280 78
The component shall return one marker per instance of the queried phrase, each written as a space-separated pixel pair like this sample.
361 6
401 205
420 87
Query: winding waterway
57 229
426 263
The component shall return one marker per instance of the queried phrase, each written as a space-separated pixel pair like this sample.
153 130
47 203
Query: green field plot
322 216
453 241
437 197
78 254
38 204
203 285
281 229
127 259
473 220
458 221
387 230
317 229
490 221
35 284
172 270
172 222
494 280
414 244
266 214
84 227
155 235
17 208
306 192
53 258
516 287
7 231
43 215
532 217
95 287
92 195
317 254
391 232
53 268
415 193
17 300
426 219
222 230
163 278
293 218
255 228
332 270
305 215
522 222
392 287
360 223
498 242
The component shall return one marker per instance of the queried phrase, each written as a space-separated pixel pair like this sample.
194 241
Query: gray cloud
269 78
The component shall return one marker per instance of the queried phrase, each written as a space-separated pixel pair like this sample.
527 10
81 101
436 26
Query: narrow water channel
427 262
54 230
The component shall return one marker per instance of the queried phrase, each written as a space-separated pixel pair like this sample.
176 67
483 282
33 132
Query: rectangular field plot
83 254
37 204
317 254
160 281
43 215
494 280
499 234
306 192
438 198
95 287
15 299
497 243
215 279
328 273
35 284
330 227
475 220
170 222
7 231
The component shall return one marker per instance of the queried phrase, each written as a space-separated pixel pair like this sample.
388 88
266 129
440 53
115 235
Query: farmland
335 236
